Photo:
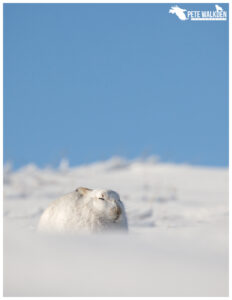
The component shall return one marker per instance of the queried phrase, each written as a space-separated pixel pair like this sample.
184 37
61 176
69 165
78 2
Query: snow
178 232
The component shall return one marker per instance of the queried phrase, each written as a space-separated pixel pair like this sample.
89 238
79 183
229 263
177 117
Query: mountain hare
85 210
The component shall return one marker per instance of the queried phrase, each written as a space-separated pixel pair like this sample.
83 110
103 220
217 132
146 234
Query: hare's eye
101 198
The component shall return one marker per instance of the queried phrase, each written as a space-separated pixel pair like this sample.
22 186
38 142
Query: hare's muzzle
117 212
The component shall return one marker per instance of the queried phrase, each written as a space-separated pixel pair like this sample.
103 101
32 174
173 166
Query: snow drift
178 232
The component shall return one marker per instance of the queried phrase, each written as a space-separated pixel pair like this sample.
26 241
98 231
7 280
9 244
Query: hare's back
59 210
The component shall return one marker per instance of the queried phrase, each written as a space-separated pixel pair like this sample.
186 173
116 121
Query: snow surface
178 232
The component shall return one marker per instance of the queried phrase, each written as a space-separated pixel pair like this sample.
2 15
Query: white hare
85 210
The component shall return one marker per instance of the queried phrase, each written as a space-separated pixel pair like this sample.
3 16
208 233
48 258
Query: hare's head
105 203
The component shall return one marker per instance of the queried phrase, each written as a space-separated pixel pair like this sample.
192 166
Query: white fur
84 210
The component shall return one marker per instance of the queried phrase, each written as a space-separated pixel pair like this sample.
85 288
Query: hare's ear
82 191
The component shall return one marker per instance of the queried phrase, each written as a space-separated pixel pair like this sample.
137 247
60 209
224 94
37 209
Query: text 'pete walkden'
216 14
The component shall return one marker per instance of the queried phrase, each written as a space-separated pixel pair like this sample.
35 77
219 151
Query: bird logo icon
180 12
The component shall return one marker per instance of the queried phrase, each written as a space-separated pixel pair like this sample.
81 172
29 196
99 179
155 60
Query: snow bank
177 245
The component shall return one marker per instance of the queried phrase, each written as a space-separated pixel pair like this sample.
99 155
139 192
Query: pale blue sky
90 81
